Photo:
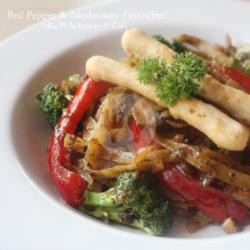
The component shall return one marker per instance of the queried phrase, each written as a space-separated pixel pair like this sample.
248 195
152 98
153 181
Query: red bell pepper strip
141 137
212 201
70 184
238 76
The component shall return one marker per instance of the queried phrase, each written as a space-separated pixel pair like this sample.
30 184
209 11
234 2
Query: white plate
50 52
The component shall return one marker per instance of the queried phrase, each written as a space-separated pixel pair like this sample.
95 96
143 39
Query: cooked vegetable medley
161 134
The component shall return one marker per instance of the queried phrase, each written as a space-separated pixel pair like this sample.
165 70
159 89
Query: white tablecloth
18 14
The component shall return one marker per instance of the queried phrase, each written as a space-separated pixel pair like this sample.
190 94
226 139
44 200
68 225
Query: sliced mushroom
220 128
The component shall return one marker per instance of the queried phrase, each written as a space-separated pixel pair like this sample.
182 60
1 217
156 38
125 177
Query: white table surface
31 226
9 24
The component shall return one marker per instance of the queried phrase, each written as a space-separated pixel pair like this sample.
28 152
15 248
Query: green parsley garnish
178 81
151 70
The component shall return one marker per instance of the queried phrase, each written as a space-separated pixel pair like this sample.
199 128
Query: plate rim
227 239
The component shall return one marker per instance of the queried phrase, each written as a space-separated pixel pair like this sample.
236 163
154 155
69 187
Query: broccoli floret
115 195
132 201
52 103
175 45
178 47
161 39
